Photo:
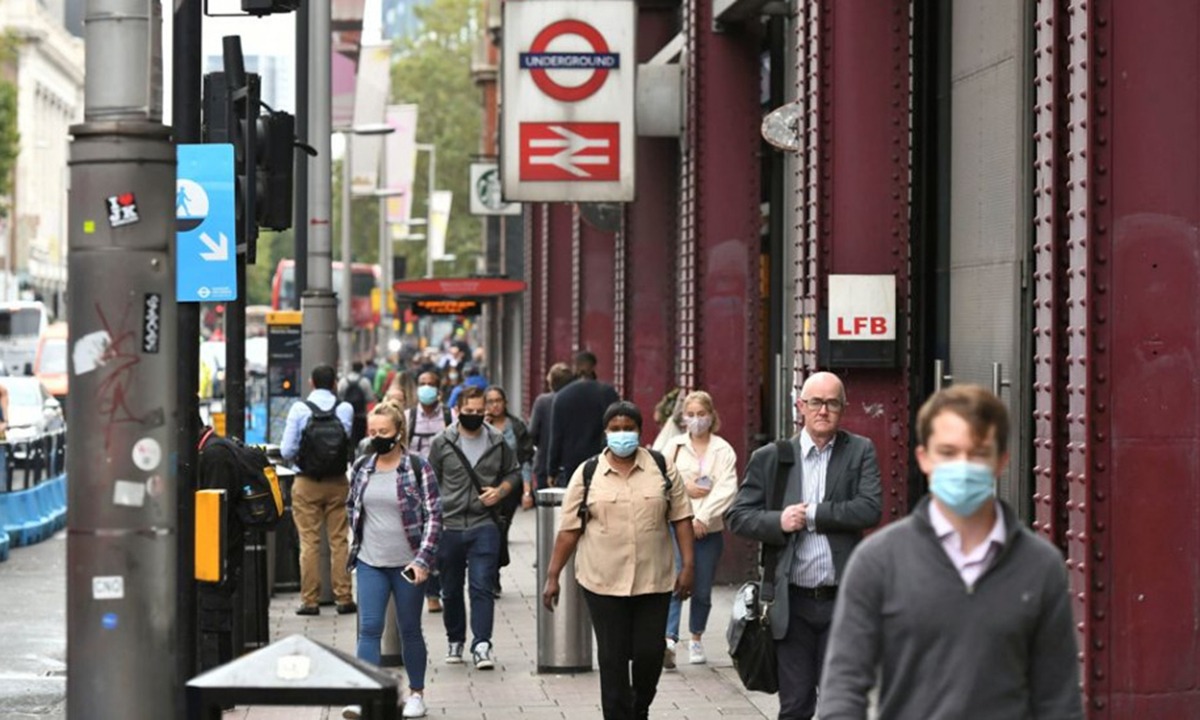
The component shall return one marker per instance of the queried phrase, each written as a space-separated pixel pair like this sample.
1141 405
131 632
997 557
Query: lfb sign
569 89
862 307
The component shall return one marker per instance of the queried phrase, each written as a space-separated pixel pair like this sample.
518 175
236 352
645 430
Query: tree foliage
10 139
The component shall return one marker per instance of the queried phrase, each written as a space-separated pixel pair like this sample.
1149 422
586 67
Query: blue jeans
472 556
707 555
374 586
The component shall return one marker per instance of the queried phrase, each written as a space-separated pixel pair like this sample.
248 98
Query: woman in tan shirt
707 464
626 558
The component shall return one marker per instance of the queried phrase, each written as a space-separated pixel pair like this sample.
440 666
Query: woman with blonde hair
395 514
708 466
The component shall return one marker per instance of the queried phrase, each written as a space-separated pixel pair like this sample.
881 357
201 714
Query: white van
21 326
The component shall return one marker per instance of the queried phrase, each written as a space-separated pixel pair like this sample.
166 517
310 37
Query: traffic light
269 7
276 161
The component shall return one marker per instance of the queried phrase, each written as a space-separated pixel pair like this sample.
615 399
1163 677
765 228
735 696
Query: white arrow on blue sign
205 224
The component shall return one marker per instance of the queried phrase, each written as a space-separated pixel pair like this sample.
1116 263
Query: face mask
471 422
623 443
963 486
427 394
698 424
383 445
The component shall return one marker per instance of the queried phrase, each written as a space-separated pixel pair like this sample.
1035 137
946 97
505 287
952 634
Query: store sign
569 89
862 307
487 197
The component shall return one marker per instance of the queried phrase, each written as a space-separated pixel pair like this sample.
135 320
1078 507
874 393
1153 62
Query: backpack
254 493
589 469
356 396
324 444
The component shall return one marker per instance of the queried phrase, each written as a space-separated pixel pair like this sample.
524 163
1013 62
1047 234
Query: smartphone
409 575
704 482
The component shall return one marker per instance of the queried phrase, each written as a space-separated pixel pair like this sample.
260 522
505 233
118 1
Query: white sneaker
696 653
414 707
351 712
669 656
483 656
454 654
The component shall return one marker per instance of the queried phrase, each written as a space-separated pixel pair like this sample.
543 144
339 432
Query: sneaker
351 712
414 707
308 610
669 656
696 653
454 654
347 608
483 656
434 605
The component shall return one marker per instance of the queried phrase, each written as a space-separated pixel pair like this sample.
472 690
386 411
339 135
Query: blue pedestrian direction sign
205 225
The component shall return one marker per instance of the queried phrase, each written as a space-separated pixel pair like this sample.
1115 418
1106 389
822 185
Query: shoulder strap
675 457
447 418
412 423
661 462
769 558
475 479
589 469
318 411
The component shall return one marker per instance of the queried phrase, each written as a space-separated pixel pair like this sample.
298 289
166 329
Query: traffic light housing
269 7
275 145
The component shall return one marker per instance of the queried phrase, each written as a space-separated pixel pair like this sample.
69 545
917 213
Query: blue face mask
963 486
623 443
427 394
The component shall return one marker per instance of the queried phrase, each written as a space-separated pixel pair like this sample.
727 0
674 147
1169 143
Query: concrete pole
346 322
432 150
122 651
318 344
385 272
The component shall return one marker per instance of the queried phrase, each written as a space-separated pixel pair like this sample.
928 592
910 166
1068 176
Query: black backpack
254 493
324 444
356 396
589 469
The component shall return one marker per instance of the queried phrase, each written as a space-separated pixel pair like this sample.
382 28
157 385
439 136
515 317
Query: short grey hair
823 375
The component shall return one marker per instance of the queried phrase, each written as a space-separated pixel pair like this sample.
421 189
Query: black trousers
801 654
219 624
629 631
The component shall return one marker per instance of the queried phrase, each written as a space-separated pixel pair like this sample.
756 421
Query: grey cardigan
851 505
1002 649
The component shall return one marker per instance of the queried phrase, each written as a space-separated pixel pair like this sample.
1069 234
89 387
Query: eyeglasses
833 405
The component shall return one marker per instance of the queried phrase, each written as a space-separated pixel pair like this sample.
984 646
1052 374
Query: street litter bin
564 637
299 672
285 563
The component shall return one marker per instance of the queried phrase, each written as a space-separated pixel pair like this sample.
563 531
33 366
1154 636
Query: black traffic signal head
275 145
269 7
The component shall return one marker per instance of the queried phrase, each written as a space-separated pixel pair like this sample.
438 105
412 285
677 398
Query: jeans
707 555
628 633
472 556
374 587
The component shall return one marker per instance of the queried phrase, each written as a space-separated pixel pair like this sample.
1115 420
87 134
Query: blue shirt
299 415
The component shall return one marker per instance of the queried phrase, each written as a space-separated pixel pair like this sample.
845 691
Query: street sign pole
122 558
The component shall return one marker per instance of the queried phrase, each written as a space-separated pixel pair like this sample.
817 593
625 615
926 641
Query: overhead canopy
458 287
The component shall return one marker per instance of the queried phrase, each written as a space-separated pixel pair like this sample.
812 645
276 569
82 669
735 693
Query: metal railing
28 462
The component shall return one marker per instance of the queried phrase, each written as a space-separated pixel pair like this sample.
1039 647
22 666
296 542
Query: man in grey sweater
470 545
958 610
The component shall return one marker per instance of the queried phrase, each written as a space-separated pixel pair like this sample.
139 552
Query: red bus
364 279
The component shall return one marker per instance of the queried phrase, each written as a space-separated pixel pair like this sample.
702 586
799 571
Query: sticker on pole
569 85
205 229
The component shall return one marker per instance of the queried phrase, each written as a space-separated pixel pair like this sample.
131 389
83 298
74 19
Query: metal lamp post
432 150
346 329
385 271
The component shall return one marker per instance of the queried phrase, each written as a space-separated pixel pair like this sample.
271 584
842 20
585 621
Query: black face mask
383 445
471 422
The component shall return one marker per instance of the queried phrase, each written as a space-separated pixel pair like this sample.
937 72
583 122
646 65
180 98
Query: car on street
32 410
50 364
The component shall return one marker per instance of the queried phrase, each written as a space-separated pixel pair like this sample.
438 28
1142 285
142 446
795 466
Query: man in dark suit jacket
833 494
577 420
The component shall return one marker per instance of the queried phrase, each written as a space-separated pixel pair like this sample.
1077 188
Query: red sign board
571 152
458 287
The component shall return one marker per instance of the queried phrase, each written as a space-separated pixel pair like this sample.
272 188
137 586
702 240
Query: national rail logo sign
569 88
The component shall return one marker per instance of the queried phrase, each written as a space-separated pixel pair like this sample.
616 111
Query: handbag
751 643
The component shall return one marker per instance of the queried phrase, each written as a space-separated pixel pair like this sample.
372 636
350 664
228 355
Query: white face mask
698 424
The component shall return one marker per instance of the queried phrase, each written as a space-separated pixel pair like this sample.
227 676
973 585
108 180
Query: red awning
458 287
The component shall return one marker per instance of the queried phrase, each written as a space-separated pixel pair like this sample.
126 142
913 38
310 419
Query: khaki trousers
312 501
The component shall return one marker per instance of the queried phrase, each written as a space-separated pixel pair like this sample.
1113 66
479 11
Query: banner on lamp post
439 221
401 161
371 90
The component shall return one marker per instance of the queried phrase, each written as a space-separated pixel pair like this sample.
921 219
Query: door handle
940 377
998 381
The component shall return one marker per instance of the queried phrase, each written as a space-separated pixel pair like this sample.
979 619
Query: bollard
564 637
390 647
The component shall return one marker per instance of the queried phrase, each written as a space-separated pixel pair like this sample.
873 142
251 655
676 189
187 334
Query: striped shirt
812 565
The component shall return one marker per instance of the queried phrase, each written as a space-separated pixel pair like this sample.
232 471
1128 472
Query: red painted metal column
536 366
560 282
597 266
649 230
857 185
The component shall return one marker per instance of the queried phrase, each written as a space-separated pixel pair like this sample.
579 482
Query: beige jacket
720 464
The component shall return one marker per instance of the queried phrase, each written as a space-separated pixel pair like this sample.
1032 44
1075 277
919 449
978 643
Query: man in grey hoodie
957 611
475 469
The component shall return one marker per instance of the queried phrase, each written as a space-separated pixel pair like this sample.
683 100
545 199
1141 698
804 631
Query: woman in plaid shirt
395 516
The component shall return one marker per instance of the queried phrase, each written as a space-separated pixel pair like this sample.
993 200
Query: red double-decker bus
364 278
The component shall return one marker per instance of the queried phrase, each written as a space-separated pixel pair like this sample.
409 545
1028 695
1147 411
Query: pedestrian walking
576 431
516 434
316 437
395 514
539 427
617 512
476 471
958 610
355 389
425 422
832 495
707 464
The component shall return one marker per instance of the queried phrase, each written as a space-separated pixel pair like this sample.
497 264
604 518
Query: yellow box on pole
210 535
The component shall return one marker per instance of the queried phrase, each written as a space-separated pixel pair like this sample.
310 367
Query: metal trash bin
564 637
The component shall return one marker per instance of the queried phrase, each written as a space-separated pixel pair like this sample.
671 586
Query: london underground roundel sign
539 61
